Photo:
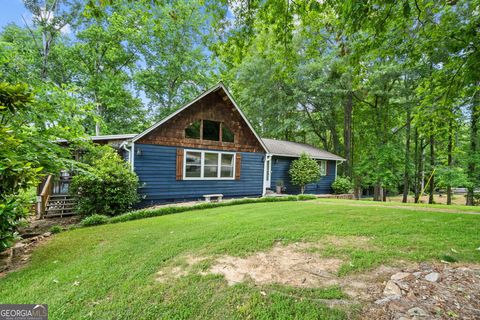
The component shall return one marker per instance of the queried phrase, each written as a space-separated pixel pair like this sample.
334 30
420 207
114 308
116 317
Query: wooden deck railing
45 194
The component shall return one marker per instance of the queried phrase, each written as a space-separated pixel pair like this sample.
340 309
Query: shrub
94 220
19 165
302 197
55 229
342 185
303 171
109 187
12 211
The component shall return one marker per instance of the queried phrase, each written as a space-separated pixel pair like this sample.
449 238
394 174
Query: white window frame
324 173
202 165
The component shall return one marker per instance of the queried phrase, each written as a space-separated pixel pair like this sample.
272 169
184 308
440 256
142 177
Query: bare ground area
31 236
404 291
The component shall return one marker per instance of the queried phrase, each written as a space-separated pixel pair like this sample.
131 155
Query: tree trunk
347 133
417 166
406 176
97 123
378 192
450 162
475 113
431 185
302 189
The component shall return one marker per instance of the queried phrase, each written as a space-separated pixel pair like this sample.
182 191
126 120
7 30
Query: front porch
53 198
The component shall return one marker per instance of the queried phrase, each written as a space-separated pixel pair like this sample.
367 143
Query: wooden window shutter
326 167
238 165
180 155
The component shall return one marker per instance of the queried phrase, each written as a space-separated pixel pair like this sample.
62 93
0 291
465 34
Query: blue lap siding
280 167
156 169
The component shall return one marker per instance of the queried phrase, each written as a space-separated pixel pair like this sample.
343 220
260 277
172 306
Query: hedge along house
209 147
206 147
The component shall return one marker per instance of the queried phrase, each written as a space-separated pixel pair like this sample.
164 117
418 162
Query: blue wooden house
209 147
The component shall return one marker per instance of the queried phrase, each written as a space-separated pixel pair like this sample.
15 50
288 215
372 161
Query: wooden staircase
60 205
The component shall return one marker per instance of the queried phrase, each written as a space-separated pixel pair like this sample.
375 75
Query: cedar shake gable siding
215 106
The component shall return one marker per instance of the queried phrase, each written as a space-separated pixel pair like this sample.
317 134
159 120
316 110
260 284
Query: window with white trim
323 167
209 165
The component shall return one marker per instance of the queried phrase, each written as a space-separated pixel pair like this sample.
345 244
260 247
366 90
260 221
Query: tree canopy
392 86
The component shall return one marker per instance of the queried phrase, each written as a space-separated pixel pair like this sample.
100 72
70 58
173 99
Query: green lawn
369 201
108 272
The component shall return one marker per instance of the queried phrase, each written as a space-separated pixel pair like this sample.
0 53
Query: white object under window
204 165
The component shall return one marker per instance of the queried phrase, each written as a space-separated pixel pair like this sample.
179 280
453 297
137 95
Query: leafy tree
177 65
303 171
19 170
108 187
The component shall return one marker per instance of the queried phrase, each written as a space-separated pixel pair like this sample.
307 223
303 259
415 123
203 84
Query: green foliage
19 169
303 197
451 177
109 187
56 229
279 183
449 258
303 171
94 220
342 185
11 212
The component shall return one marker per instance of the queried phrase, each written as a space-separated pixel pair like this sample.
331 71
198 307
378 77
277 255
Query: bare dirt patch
404 291
288 265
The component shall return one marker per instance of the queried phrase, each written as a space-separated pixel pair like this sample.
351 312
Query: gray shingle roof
295 149
106 137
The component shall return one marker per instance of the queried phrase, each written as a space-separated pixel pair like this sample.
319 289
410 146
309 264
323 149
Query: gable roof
295 149
218 86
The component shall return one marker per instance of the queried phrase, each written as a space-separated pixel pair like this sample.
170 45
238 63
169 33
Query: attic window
211 130
227 134
193 130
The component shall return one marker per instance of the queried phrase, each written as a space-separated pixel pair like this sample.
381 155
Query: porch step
60 205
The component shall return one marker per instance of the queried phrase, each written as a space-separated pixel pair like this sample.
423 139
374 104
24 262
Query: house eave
313 157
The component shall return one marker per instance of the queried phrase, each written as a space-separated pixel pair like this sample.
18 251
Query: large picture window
209 165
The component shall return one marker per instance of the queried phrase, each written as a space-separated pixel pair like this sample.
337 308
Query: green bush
303 197
19 165
342 185
56 229
108 188
94 220
12 211
303 171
